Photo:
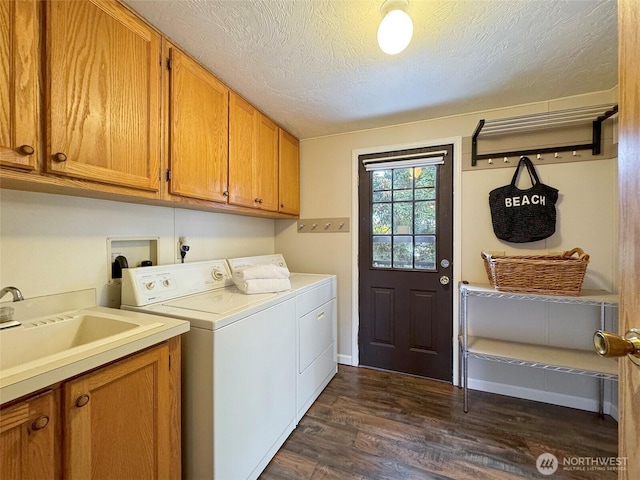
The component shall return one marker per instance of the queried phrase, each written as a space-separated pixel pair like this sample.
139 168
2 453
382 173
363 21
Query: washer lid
221 302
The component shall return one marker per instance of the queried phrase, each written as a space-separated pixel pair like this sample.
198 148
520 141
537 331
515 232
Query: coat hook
314 226
538 157
327 225
301 226
341 225
506 160
575 154
556 155
490 161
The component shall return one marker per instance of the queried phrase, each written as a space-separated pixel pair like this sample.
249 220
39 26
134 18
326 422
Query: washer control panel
146 285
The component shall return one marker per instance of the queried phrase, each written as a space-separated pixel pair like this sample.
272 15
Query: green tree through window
403 220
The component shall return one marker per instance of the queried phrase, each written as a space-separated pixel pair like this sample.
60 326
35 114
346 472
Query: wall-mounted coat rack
543 121
323 225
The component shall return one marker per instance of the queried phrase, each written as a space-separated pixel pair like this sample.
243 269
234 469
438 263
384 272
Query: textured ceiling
314 66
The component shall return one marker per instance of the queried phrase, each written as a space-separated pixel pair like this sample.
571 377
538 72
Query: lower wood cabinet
119 421
30 438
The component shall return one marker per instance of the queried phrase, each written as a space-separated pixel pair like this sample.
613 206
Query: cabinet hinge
169 362
168 175
169 64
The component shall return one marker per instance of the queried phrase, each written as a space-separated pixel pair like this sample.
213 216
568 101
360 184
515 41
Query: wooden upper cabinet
242 151
117 420
19 59
103 94
198 130
289 174
266 165
29 438
253 157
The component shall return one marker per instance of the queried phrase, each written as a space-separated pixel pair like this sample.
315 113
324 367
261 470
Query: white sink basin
55 337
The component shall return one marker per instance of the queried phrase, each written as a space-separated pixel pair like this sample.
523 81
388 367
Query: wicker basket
542 274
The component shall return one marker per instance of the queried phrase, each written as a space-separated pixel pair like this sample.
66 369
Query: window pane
381 180
402 178
381 218
382 196
425 217
402 195
403 218
425 193
381 252
402 252
426 177
425 252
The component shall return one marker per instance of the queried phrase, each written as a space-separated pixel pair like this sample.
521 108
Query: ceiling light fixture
396 28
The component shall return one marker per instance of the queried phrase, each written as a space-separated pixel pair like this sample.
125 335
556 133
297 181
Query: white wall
54 243
587 209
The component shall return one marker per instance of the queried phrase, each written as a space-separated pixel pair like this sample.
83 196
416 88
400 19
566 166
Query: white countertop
37 375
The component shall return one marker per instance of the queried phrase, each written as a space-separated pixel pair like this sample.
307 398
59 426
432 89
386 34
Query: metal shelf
552 358
586 297
593 115
558 359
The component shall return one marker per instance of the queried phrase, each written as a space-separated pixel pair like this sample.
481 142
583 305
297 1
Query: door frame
457 237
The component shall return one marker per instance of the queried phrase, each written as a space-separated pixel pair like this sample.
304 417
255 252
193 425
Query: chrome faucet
17 294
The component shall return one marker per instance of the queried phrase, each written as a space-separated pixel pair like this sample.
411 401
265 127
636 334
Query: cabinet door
266 166
253 157
289 174
198 131
29 438
118 420
103 71
242 151
19 34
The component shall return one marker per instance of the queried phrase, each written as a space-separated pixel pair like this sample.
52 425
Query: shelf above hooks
581 116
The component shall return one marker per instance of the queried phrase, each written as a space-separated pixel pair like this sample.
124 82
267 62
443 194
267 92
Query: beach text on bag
525 200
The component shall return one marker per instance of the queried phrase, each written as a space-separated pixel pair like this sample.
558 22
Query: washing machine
243 390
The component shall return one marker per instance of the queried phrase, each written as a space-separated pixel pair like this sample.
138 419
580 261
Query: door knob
612 345
444 280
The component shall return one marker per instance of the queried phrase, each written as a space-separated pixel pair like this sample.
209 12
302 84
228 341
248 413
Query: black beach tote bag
521 216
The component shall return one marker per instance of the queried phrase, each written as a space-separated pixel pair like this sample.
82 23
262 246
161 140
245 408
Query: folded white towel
261 271
264 285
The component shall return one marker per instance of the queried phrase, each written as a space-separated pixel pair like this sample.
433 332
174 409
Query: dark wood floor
376 425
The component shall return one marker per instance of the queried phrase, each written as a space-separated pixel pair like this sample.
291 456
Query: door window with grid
403 218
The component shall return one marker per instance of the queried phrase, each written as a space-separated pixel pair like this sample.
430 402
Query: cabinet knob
40 422
82 400
282 205
26 150
225 193
60 157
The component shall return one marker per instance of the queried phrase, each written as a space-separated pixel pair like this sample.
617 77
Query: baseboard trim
581 403
345 360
